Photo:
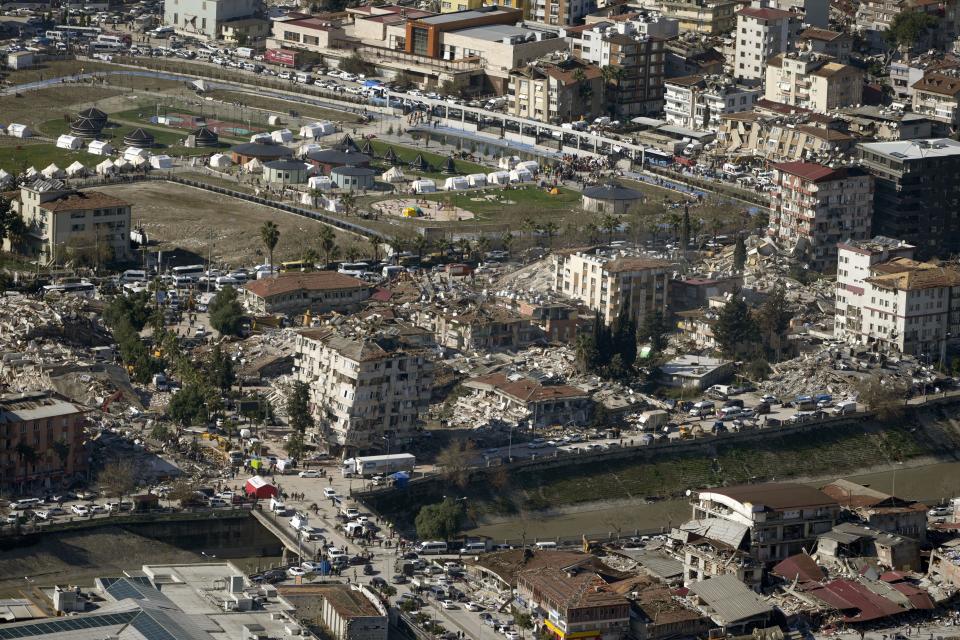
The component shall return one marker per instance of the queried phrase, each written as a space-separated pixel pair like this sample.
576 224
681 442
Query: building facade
365 391
294 293
62 222
761 32
556 91
707 17
835 44
937 95
42 436
612 285
916 192
817 207
698 102
204 18
541 405
812 81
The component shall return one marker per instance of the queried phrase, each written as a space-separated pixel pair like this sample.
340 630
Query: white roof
258 483
913 149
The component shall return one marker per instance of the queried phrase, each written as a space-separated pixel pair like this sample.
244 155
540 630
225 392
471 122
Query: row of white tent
312 131
17 130
472 181
96 147
507 163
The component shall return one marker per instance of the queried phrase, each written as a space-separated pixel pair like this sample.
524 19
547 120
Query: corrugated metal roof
729 600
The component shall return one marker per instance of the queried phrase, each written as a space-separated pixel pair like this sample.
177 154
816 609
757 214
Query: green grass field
408 154
15 158
168 140
526 199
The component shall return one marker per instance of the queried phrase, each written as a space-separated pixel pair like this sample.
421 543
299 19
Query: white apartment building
366 391
698 102
204 18
817 207
812 81
761 32
855 259
609 283
60 220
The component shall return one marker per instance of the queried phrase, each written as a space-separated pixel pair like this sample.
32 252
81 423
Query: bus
133 275
116 39
60 33
84 289
355 269
295 265
193 271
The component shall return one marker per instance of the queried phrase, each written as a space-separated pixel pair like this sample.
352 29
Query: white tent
423 185
52 171
31 172
139 162
281 136
122 164
19 130
254 166
261 137
317 129
100 148
521 175
135 152
530 165
76 169
498 177
308 199
393 174
508 162
307 147
273 120
5 179
321 183
220 161
456 183
332 204
105 168
69 142
477 179
161 162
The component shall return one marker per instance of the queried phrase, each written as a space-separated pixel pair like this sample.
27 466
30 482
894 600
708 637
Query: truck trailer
367 466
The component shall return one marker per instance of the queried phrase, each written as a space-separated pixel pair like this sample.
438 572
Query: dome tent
139 138
205 137
100 148
449 166
367 149
419 164
76 170
393 174
477 179
391 157
423 186
105 168
86 128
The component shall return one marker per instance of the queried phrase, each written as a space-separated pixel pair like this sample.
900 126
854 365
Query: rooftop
494 32
316 281
347 601
364 348
826 35
776 495
526 389
914 149
83 200
470 14
727 600
764 13
35 405
905 274
628 263
612 192
939 83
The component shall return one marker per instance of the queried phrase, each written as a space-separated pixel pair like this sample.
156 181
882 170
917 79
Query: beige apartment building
300 31
554 92
818 207
777 140
611 284
60 219
835 44
366 391
812 81
937 96
707 17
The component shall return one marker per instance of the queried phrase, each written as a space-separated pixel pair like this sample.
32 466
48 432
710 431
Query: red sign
281 56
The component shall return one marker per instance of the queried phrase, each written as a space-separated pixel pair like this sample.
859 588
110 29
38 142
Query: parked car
328 492
296 571
310 473
448 604
80 509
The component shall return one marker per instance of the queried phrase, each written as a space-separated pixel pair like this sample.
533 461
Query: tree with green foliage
655 330
220 370
736 330
161 432
294 446
134 309
62 450
270 235
773 320
907 26
298 407
440 521
685 231
226 313
328 244
739 253
188 406
357 65
624 342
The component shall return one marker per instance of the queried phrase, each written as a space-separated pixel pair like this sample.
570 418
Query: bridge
284 533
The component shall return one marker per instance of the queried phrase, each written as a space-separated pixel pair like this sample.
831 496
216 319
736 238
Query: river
930 483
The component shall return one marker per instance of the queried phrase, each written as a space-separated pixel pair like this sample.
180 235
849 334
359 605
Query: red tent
259 488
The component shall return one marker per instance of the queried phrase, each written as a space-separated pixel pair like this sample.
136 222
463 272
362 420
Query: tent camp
161 162
508 162
530 165
76 170
139 162
72 143
521 175
420 164
317 130
423 186
321 183
307 147
393 174
457 183
52 171
19 130
259 488
220 161
135 152
105 168
477 179
100 148
261 137
390 156
122 164
281 136
498 177
5 179
254 166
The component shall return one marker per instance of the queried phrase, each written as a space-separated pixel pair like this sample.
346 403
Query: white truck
367 466
651 420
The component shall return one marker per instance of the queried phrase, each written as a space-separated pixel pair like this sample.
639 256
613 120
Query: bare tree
455 461
118 478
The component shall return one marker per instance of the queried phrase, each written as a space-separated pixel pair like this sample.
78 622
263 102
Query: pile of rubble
537 276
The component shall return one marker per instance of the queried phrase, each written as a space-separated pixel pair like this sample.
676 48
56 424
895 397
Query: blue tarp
400 478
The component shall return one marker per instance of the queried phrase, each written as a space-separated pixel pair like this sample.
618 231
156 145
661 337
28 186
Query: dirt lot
39 106
190 219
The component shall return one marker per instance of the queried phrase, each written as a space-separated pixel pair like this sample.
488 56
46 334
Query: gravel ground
191 219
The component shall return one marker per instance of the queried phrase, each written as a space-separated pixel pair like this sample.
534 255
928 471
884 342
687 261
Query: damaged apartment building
368 387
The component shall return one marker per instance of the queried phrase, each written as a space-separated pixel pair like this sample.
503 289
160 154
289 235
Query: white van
702 408
431 547
26 503
276 505
477 546
845 407
542 546
303 78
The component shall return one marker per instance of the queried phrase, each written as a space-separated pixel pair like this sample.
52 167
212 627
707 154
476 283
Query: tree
161 432
220 370
655 330
773 320
549 229
439 521
375 242
133 309
184 491
28 456
226 313
118 478
420 246
328 244
62 449
270 235
298 407
188 405
506 241
685 231
907 27
357 65
624 343
456 459
609 223
739 253
736 331
884 396
523 620
294 446
587 355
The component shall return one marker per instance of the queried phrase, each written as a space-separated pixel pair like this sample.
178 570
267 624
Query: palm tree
483 246
609 223
675 221
592 232
443 247
506 241
420 246
352 252
62 449
328 244
375 247
270 234
528 225
549 229
349 201
28 456
463 246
